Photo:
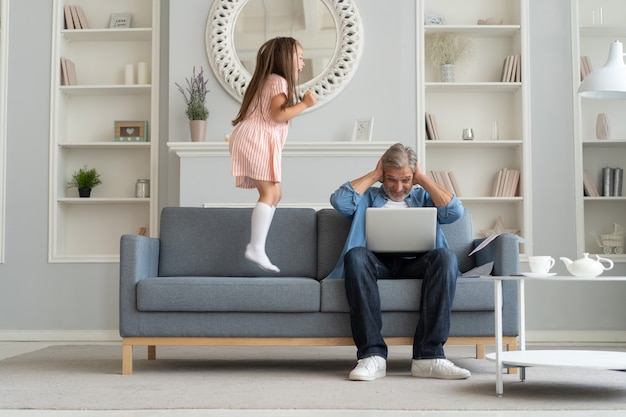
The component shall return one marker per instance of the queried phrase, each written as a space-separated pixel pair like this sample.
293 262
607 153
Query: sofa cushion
332 232
211 242
461 240
471 294
229 294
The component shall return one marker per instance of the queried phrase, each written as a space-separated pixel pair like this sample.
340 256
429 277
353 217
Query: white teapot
587 267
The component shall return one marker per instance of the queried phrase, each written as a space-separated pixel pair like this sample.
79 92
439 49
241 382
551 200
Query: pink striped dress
257 142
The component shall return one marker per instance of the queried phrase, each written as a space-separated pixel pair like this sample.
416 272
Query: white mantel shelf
204 149
202 160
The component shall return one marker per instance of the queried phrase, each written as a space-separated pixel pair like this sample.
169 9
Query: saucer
534 275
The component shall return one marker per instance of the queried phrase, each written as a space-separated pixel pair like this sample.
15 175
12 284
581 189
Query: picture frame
120 20
131 131
362 130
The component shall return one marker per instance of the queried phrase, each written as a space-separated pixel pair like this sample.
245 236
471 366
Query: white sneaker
368 369
438 368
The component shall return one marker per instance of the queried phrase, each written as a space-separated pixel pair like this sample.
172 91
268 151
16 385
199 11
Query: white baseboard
575 337
60 336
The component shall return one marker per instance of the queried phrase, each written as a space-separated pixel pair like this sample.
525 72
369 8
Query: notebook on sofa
401 230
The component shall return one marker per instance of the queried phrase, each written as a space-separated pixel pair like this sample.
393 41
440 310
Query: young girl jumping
256 143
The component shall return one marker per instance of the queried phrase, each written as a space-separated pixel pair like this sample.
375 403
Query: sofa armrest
503 251
139 259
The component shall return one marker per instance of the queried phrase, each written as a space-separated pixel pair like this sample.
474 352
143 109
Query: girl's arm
284 115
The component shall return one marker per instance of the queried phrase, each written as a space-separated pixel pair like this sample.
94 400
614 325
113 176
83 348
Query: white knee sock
260 225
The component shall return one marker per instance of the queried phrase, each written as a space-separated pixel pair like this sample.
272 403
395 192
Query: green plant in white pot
85 179
195 98
445 49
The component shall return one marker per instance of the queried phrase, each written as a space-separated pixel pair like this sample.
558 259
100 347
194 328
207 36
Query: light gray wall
37 296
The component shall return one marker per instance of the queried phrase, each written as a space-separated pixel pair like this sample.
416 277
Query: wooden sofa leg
511 347
480 351
151 352
127 359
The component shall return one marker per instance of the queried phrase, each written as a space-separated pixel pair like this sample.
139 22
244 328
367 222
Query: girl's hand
309 99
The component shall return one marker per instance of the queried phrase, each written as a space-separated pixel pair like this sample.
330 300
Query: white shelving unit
82 129
4 65
476 100
594 26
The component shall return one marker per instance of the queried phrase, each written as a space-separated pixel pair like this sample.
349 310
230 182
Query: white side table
557 358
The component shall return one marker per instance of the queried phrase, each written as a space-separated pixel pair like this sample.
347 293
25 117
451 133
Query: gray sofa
192 286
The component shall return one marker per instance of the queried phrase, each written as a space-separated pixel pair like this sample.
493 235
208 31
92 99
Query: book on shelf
618 175
433 120
612 182
432 131
68 72
505 68
75 17
588 185
67 14
511 69
506 182
447 180
585 67
82 18
429 128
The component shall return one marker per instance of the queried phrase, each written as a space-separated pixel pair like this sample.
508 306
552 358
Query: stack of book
612 182
74 17
588 185
512 69
506 183
68 72
432 131
447 180
585 67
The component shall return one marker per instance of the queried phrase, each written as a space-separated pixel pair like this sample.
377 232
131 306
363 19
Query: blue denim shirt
352 205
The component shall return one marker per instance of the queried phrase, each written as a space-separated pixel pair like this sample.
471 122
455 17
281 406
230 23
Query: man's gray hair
399 156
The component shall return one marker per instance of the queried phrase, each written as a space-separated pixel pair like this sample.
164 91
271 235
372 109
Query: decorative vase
84 192
197 129
603 130
447 73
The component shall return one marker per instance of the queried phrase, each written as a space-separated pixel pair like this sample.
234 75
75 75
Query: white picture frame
362 130
120 20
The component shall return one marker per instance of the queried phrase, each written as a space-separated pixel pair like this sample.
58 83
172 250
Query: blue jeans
438 270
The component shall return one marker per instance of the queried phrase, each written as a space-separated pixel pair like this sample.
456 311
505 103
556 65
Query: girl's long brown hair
275 56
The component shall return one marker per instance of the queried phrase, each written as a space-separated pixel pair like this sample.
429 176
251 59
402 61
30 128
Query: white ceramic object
587 267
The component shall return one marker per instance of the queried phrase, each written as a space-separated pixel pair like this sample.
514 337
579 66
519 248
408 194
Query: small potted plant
84 179
195 96
445 49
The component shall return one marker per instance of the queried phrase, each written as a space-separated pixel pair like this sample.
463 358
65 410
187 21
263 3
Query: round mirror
309 21
329 30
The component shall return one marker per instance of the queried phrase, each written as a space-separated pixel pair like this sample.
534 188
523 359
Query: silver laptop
401 230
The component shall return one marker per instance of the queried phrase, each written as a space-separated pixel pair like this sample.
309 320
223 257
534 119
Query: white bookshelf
475 100
592 36
82 129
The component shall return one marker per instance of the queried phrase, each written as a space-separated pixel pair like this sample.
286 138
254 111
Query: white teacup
540 264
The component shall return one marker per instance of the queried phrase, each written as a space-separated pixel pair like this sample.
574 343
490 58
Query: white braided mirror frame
328 84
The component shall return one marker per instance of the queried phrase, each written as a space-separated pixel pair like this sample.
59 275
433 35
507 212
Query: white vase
197 130
603 130
447 73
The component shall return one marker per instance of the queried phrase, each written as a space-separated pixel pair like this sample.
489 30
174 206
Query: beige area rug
89 377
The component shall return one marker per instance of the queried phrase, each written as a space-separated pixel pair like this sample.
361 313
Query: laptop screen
401 230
